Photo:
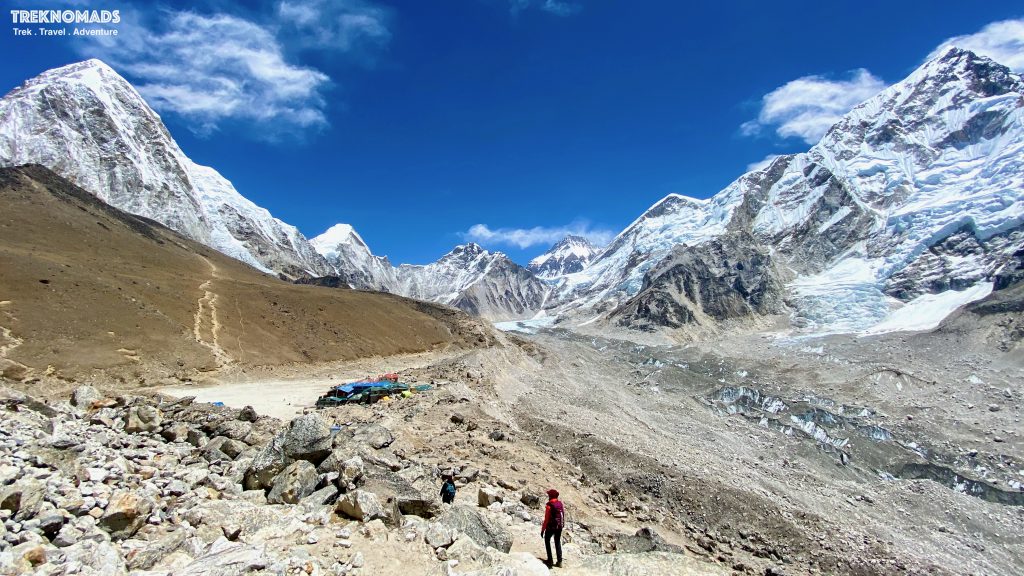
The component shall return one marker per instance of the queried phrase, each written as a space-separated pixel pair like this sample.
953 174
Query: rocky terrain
747 455
147 486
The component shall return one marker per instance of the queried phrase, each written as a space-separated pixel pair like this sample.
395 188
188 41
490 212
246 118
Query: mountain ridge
90 125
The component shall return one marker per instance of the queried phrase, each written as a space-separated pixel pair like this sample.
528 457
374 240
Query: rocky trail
670 461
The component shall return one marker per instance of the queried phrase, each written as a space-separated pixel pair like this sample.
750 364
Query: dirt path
284 397
207 326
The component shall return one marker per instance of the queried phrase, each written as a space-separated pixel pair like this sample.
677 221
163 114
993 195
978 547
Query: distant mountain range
913 200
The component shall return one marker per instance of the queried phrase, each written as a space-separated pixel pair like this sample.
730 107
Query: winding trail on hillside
206 327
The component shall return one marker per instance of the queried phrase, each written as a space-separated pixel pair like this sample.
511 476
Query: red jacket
554 515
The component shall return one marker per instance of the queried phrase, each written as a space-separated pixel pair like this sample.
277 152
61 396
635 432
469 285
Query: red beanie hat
553 493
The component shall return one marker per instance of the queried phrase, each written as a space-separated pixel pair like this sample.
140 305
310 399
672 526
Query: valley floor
886 455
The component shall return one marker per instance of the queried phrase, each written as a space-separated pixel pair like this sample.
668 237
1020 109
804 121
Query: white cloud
807 107
208 69
1001 41
213 68
336 25
762 163
538 235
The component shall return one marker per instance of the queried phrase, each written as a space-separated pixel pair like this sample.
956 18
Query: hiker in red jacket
554 521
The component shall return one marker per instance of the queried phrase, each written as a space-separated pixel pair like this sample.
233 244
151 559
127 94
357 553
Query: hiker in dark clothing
554 521
448 490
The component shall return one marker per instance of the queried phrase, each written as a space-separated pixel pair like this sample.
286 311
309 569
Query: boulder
394 489
196 438
95 558
225 558
267 464
308 438
375 436
530 499
125 514
142 419
438 535
248 414
145 554
176 432
233 429
360 505
472 523
335 461
325 495
22 499
488 495
84 396
644 540
294 483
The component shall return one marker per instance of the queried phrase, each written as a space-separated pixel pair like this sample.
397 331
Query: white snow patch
927 311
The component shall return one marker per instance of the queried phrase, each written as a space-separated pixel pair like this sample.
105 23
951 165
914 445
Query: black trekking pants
557 534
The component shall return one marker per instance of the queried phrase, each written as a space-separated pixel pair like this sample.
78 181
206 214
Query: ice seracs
88 124
917 191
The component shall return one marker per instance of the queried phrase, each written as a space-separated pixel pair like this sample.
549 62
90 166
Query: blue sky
508 122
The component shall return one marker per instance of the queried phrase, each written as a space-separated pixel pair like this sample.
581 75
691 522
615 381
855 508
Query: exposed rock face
470 278
88 124
570 255
879 208
730 277
483 283
352 260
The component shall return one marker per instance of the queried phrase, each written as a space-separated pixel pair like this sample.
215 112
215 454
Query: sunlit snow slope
917 191
88 124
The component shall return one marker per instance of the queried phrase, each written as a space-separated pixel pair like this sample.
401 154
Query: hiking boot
558 564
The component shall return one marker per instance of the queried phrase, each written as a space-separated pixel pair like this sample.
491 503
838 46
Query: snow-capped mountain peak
339 234
916 191
88 124
570 255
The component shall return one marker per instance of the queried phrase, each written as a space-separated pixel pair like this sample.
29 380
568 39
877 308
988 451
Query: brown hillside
85 287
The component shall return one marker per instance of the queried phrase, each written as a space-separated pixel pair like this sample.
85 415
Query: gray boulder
176 432
125 514
488 495
393 489
267 464
438 535
325 495
308 438
22 499
142 419
248 414
360 505
375 436
479 528
84 396
296 482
